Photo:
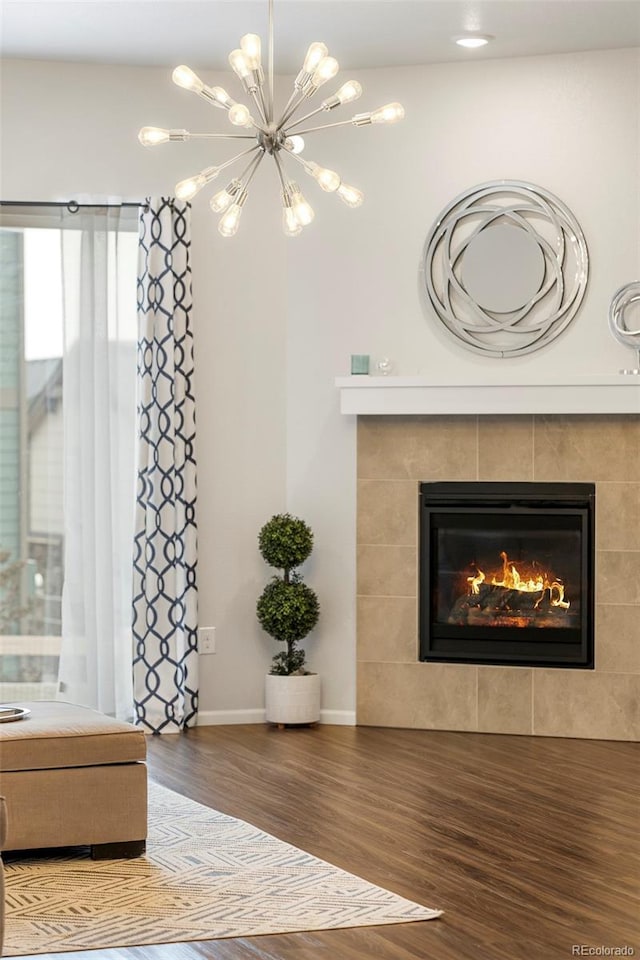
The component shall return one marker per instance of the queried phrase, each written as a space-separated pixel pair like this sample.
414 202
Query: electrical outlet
207 640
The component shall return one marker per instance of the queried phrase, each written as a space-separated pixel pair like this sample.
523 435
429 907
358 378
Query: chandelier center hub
271 139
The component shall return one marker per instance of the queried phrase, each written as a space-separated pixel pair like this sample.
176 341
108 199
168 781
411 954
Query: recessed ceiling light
473 40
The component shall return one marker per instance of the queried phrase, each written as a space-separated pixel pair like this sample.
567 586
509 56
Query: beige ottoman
74 777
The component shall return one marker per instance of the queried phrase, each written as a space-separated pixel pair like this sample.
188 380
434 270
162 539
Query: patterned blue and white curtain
165 599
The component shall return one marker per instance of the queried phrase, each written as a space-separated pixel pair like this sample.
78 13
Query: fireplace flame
530 582
476 581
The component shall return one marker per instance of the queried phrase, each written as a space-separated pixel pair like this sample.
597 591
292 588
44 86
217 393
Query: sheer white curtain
99 371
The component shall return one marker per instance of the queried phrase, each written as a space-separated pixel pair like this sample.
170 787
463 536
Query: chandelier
278 138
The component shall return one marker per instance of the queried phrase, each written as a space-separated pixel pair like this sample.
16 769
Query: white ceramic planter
293 699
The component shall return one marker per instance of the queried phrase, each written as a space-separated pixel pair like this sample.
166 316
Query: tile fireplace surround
396 452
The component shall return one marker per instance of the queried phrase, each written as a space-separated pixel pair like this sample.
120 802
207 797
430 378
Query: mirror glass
502 268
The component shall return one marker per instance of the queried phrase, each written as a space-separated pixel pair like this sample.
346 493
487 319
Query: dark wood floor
530 845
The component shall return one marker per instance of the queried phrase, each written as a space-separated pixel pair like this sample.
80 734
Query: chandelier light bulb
238 63
251 48
390 113
329 180
350 195
152 136
294 144
349 91
302 209
326 70
186 78
187 189
316 52
223 199
221 98
239 115
290 223
230 220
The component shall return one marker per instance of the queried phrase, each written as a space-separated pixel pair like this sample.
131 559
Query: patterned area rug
205 876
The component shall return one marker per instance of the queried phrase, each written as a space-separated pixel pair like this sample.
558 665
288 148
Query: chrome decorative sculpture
506 268
622 303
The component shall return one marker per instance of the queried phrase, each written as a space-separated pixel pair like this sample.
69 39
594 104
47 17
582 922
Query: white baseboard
346 718
207 718
342 718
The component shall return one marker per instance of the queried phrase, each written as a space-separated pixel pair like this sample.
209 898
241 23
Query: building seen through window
32 446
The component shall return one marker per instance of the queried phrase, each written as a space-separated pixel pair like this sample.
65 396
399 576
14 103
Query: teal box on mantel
359 363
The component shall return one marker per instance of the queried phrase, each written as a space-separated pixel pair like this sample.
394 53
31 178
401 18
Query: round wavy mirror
506 268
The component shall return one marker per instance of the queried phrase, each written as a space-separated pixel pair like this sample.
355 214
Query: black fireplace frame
571 648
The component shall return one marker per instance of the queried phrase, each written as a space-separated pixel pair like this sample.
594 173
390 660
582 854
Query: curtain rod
70 204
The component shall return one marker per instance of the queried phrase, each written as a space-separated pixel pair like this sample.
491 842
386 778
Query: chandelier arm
289 102
291 110
253 162
259 102
221 136
300 160
228 163
280 171
326 126
256 163
307 116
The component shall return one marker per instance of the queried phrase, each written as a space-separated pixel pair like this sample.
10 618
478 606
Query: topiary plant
287 609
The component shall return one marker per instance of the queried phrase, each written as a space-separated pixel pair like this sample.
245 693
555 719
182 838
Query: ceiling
360 33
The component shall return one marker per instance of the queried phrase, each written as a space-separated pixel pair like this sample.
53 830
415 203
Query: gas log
494 603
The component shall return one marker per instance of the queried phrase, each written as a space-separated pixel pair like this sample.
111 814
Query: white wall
276 321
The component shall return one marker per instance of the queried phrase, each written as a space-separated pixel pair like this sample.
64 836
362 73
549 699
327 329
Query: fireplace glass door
506 573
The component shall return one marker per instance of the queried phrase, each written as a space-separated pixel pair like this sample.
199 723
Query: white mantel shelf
367 395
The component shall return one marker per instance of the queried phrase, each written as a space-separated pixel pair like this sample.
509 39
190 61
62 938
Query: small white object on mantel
421 396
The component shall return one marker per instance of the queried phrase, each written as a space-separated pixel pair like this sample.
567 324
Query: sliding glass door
46 320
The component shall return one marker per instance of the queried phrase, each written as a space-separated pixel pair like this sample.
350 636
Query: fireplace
507 573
